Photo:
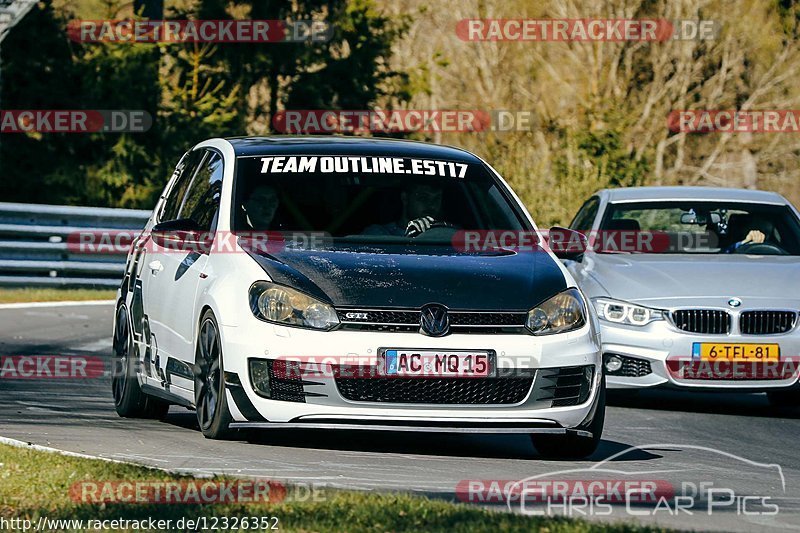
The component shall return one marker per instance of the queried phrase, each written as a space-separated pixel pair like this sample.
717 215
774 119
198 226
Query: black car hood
397 276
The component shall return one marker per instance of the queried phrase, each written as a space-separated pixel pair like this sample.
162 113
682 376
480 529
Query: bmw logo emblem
734 302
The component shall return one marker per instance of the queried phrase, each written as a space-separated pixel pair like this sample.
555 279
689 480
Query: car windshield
369 198
701 228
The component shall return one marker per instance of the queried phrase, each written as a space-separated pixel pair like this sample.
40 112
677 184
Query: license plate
713 351
429 363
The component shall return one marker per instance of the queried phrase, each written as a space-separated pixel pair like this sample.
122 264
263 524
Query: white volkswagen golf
317 283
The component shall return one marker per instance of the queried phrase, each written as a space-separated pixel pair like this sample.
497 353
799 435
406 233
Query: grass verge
28 294
37 484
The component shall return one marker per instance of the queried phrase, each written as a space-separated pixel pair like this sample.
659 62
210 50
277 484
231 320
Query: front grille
487 319
407 321
767 322
711 321
379 316
564 386
438 391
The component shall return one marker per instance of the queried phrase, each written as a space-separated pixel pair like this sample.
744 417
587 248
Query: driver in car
422 205
757 231
260 207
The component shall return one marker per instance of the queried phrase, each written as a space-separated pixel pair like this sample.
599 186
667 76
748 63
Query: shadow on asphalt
506 446
401 442
738 404
434 444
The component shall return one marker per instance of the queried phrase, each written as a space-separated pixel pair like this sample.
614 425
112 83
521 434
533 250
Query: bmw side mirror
566 243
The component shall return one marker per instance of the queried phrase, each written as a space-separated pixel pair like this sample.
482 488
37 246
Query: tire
213 415
784 398
571 446
129 400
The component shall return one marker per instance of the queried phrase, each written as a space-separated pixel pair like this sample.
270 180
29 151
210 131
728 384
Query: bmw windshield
703 227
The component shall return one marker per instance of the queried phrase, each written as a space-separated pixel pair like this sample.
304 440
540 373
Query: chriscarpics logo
689 480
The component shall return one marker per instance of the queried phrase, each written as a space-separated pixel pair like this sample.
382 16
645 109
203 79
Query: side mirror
181 235
566 243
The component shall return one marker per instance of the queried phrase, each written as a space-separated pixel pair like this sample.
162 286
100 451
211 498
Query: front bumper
327 407
547 427
660 342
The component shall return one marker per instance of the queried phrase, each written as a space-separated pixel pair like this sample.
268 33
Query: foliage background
600 108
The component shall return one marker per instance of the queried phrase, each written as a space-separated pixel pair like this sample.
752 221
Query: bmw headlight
566 311
282 305
620 312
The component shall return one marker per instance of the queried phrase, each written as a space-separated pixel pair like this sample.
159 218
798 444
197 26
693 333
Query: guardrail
35 248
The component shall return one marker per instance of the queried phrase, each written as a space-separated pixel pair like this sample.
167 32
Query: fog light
259 377
613 363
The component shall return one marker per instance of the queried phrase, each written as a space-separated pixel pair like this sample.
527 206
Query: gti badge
734 302
434 321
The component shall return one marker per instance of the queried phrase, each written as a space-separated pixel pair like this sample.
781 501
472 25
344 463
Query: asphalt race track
686 438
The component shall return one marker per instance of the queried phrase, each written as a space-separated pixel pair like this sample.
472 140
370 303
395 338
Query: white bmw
695 288
316 283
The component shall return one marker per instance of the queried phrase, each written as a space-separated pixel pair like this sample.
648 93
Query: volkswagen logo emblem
433 320
734 302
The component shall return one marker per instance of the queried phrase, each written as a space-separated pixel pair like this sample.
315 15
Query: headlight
282 305
566 311
620 312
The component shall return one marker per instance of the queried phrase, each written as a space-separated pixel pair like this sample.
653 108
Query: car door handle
155 267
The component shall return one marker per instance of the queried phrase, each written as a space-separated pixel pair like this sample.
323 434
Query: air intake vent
280 380
569 385
436 391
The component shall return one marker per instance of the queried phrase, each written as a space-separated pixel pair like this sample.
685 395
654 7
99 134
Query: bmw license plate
432 363
751 353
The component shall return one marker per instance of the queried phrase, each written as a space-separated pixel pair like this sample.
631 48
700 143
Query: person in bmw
370 329
695 288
